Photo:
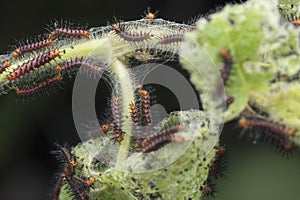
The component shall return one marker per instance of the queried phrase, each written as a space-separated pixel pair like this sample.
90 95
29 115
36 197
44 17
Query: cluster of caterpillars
46 51
142 138
78 186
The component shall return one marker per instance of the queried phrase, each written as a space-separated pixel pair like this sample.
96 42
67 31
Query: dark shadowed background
28 130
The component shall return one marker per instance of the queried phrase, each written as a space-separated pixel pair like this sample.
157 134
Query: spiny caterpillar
75 64
117 119
30 90
219 166
67 32
285 78
146 104
160 141
227 59
31 47
136 123
64 155
161 138
129 36
33 64
171 39
269 132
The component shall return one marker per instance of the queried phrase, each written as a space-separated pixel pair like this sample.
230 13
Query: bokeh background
28 130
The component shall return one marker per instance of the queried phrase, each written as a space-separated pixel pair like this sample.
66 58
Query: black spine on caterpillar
175 38
33 64
31 90
129 36
227 59
75 64
31 47
219 167
269 132
117 119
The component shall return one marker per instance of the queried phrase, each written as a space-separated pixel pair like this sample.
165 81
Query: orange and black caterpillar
75 64
33 64
31 47
171 39
67 32
163 137
219 166
117 119
167 131
129 36
269 132
159 142
136 124
64 155
33 89
145 105
227 59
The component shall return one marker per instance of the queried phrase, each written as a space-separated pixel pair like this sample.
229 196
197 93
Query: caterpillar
275 128
219 166
168 131
30 47
128 36
285 77
33 64
270 132
158 142
57 186
227 59
67 32
171 39
64 154
76 64
75 186
117 119
5 65
136 123
25 92
146 104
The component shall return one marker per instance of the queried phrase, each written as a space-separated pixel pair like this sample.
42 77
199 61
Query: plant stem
126 86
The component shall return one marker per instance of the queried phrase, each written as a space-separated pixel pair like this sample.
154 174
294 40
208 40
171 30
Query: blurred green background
29 129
